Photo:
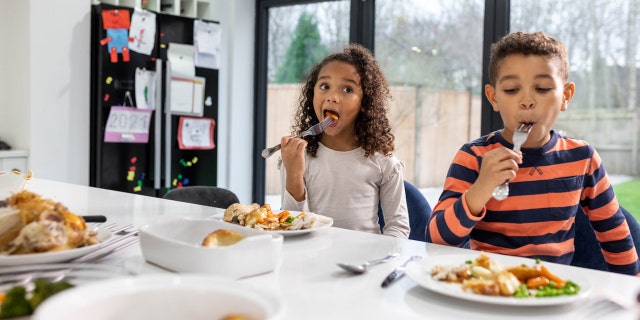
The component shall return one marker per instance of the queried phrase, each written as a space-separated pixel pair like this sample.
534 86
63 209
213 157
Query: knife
95 219
398 272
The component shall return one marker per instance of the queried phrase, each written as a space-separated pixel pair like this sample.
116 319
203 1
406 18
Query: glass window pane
602 42
431 52
299 37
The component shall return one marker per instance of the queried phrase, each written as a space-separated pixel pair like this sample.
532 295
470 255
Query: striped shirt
537 219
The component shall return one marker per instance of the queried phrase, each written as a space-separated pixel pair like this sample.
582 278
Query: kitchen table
308 280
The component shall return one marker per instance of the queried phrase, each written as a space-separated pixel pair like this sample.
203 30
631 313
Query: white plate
159 297
420 272
53 257
324 222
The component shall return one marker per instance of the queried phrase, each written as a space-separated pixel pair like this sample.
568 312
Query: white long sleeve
347 186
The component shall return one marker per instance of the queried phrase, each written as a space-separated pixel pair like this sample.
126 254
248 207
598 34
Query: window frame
362 30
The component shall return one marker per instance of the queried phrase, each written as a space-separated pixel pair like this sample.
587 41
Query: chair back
204 195
588 253
419 212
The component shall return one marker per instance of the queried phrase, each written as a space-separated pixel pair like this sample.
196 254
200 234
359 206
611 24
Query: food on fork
486 276
330 113
221 237
263 218
31 224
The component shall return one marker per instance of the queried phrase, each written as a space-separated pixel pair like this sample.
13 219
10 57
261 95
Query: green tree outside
303 53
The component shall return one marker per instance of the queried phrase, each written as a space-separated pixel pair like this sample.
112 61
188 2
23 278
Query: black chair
419 212
204 195
587 248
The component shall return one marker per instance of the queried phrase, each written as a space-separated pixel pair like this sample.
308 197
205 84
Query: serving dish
420 272
159 297
175 244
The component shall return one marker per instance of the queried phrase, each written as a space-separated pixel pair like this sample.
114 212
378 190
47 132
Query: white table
309 281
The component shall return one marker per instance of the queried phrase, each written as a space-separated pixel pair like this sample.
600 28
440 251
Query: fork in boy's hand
501 192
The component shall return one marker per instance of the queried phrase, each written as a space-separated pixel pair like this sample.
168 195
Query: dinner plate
324 222
57 256
159 297
420 272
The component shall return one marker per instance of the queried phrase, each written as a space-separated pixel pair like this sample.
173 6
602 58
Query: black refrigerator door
127 167
187 167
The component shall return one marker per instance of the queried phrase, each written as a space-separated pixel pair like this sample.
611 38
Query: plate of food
498 279
34 229
288 223
162 296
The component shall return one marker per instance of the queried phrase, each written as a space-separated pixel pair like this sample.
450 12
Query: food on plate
19 302
486 276
263 218
221 237
31 224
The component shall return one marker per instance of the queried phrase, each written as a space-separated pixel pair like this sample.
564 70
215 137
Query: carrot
537 282
547 274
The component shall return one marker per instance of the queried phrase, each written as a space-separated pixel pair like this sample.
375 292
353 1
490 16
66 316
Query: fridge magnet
142 31
127 125
145 88
206 39
116 19
196 133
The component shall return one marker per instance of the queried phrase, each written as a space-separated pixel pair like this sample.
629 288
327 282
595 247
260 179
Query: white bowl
160 297
175 244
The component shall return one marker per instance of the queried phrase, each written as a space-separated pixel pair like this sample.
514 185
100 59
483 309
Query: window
602 43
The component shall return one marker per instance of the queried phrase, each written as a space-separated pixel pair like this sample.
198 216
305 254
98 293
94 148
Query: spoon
362 268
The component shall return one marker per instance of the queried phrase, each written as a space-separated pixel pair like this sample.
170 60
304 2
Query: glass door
299 36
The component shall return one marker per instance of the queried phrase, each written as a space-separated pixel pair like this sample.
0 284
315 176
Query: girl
345 172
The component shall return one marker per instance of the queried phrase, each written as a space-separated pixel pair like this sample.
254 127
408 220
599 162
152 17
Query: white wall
45 88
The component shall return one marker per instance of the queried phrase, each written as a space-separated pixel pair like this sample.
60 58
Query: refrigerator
149 141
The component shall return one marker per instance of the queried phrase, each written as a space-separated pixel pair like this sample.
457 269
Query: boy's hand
498 166
292 152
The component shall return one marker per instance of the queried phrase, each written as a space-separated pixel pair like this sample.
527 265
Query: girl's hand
498 166
292 152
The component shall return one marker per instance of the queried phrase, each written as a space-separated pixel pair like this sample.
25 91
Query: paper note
181 58
142 31
207 38
119 39
196 133
187 96
127 125
145 89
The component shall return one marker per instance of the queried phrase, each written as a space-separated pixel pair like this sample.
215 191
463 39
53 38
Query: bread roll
221 237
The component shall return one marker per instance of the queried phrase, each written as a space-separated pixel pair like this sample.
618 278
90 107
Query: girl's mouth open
333 115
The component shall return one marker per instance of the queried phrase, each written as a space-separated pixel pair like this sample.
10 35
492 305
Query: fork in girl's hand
501 192
318 128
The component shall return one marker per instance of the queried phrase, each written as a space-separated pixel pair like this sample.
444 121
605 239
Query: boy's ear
567 95
490 92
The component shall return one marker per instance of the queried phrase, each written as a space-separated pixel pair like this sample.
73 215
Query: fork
318 128
501 192
604 306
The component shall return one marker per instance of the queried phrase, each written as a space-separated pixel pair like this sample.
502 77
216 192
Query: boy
548 180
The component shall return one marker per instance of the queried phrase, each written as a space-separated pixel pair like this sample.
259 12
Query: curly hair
373 129
538 44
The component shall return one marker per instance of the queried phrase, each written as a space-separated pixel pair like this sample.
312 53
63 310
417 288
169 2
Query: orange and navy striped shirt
537 219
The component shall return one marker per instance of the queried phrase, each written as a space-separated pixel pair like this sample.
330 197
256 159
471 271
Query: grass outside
628 194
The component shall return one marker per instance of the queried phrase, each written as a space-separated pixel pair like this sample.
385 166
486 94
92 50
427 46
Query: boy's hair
372 126
538 43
